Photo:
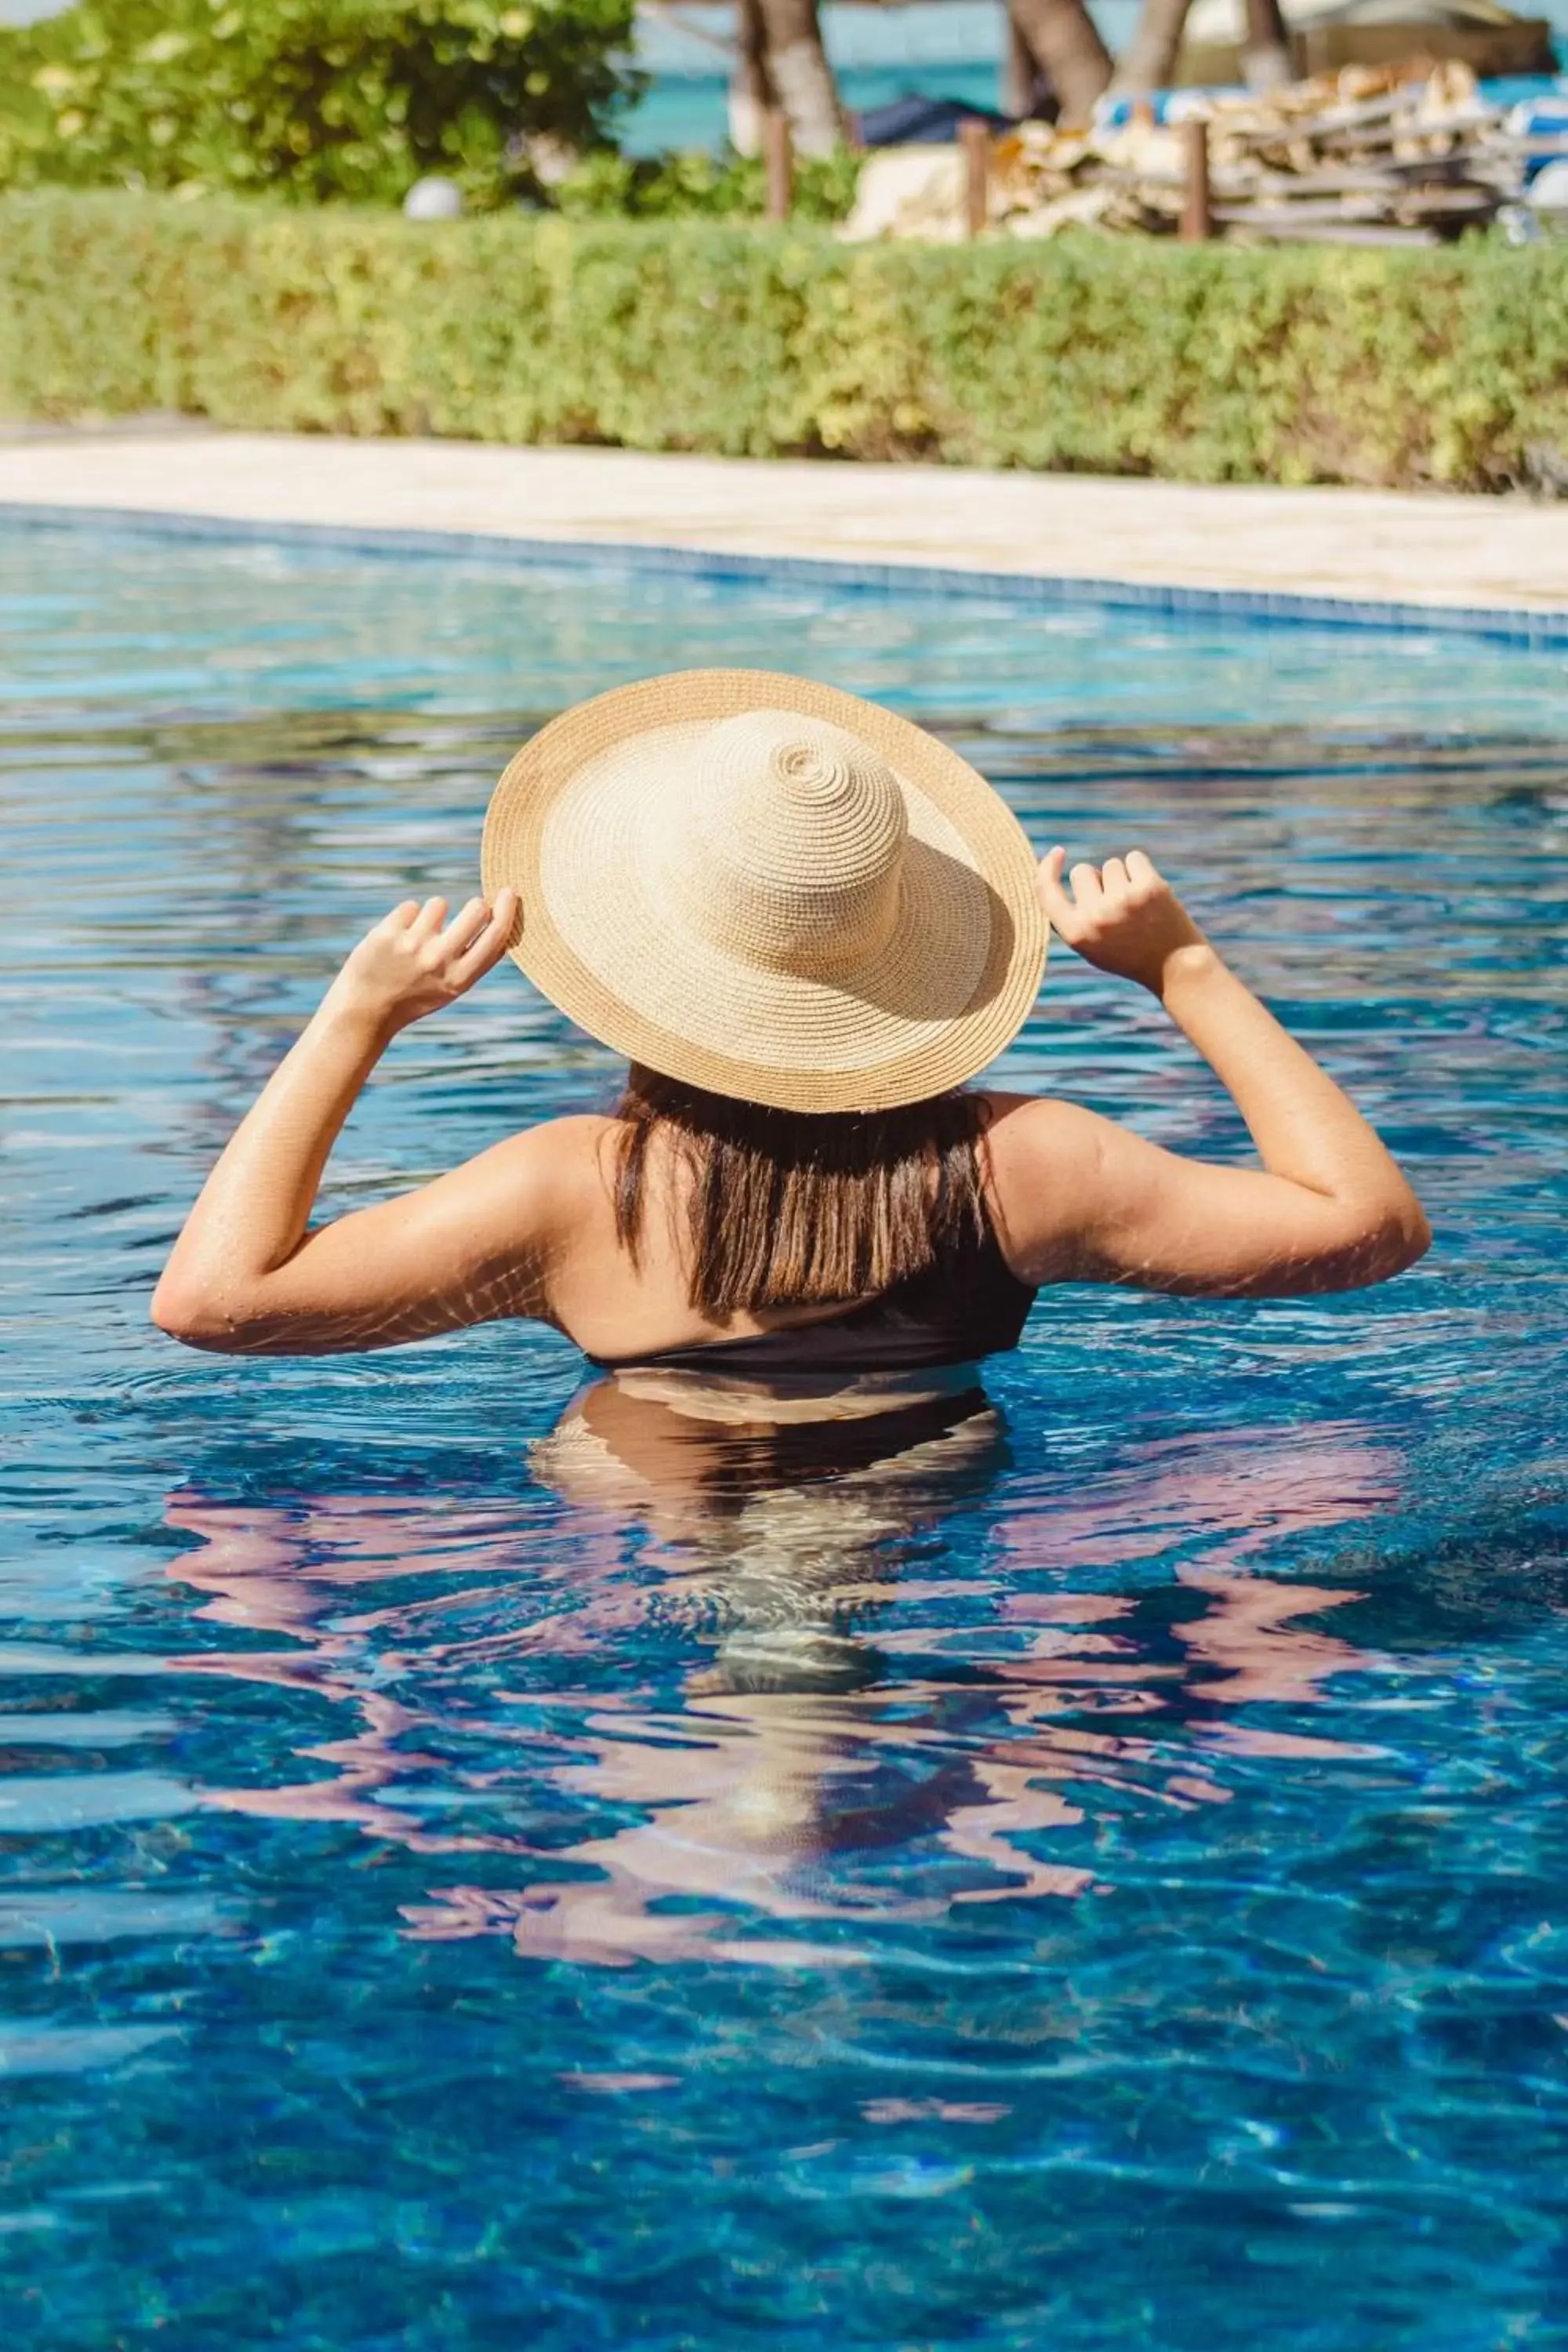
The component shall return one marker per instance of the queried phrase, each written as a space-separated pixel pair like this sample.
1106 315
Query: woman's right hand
409 965
1122 917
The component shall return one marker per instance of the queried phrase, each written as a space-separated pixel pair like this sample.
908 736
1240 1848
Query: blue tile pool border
1504 624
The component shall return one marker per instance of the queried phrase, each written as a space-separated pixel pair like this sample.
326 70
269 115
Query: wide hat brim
569 828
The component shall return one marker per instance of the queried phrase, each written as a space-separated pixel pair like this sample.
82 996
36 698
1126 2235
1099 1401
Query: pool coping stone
674 515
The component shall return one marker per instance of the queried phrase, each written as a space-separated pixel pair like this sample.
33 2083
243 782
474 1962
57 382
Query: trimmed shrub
608 185
1200 363
309 99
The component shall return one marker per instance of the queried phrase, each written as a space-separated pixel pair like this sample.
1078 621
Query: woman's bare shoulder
1020 1128
564 1155
529 1201
576 1135
535 1186
1046 1162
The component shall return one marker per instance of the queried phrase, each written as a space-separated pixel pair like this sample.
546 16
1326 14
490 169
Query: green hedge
1202 364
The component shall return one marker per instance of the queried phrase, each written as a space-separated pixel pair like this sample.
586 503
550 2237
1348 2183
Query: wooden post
1197 215
776 157
975 138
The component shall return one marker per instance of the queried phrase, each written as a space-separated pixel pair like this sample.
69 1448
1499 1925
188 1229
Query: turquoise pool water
1101 1885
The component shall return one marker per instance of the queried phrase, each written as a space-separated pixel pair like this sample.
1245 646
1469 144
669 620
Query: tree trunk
1147 62
751 85
1266 49
1025 90
1062 36
803 77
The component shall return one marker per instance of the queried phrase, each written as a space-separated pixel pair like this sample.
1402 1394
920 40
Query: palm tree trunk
1147 62
801 76
1062 34
1266 50
751 84
1026 92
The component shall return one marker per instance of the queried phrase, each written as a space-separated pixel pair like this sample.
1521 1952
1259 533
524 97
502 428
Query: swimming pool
1106 1889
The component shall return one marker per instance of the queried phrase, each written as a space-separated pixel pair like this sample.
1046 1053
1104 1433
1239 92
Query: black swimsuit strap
967 1305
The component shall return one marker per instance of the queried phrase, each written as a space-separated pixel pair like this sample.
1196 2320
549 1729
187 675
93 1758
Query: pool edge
1512 625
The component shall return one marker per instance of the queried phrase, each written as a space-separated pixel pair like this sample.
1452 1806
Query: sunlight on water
489 1860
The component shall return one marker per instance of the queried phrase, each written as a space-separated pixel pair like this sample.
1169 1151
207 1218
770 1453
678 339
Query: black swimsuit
969 1305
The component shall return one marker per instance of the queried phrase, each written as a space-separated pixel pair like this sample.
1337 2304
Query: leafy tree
310 98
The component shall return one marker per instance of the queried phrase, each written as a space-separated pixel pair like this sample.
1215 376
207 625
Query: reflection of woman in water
809 924
793 1773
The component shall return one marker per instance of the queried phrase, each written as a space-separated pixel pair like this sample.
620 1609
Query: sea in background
932 48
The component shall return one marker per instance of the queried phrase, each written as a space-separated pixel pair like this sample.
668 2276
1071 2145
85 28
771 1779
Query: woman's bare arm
1081 1198
246 1274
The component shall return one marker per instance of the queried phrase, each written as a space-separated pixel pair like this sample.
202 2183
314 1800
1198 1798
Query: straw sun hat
768 888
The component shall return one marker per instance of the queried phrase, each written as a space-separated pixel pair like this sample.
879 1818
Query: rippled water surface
1098 1879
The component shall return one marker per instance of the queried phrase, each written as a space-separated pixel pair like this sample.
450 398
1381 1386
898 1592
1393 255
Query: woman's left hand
409 966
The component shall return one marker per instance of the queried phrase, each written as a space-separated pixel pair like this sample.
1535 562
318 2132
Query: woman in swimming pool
808 924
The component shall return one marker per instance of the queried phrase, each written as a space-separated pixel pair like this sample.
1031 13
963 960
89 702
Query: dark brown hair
791 1207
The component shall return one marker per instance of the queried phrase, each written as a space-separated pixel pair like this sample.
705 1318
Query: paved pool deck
1282 549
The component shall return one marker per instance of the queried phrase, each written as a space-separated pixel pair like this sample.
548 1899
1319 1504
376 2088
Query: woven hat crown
787 845
768 888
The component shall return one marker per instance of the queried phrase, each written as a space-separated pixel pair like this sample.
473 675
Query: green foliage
610 186
1203 363
310 98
